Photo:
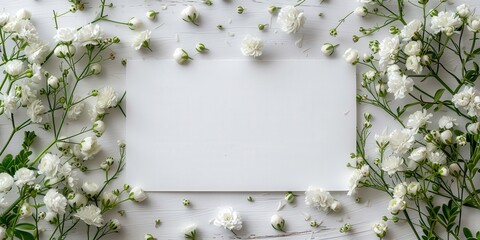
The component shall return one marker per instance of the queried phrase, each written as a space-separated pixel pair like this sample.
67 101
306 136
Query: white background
169 32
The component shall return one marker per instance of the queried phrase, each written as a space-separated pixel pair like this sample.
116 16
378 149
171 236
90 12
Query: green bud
149 236
394 30
261 26
186 202
290 197
220 27
250 198
200 47
433 12
157 222
345 228
207 2
272 9
240 9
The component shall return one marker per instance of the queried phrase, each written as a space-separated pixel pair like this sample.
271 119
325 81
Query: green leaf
28 139
22 235
25 226
438 94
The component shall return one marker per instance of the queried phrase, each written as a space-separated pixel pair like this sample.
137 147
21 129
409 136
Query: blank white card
240 125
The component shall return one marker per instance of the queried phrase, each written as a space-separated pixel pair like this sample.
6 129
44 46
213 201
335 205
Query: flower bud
454 169
394 30
134 23
446 137
240 9
345 228
272 9
200 47
190 14
361 11
289 197
186 202
261 26
137 194
149 236
114 225
336 206
96 68
473 128
277 222
151 15
98 127
443 171
53 82
433 12
461 140
328 49
314 224
23 14
180 56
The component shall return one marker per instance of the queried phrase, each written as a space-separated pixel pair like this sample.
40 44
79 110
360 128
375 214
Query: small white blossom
419 154
418 119
392 164
35 111
26 210
437 157
413 48
78 200
134 23
446 22
89 35
396 204
410 29
75 109
229 219
413 64
90 188
328 49
463 10
400 190
473 23
4 17
89 147
14 67
399 85
190 231
361 11
190 14
55 202
413 188
351 56
65 35
446 137
142 40
401 140
91 215
23 14
277 222
37 51
389 48
24 176
318 198
251 46
137 194
151 15
290 19
49 165
447 122
380 228
6 182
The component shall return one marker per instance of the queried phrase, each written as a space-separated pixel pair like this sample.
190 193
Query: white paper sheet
240 125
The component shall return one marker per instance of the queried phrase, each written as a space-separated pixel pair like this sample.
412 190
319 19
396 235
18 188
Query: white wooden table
169 32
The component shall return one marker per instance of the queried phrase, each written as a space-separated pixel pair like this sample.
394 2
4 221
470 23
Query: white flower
251 46
473 127
437 157
53 82
24 176
180 56
190 14
88 34
473 23
23 14
361 11
98 127
463 10
380 228
89 147
290 19
399 85
400 190
109 199
396 204
78 200
75 109
134 23
4 17
190 231
401 140
65 35
419 154
228 219
14 67
446 22
115 225
55 202
64 50
392 164
383 138
465 97
6 182
413 48
328 49
389 48
50 217
35 111
37 51
318 198
336 206
454 168
418 119
90 188
413 64
443 171
137 194
446 137
49 165
410 30
91 215
277 222
107 98
10 103
354 181
447 122
151 14
142 40
351 56
413 188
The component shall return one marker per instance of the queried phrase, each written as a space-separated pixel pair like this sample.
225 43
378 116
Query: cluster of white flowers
228 219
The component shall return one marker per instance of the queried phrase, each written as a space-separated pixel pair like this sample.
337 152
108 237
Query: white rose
277 222
290 19
413 64
473 23
90 188
24 176
137 194
134 23
89 147
64 50
318 198
380 229
413 48
49 165
251 46
413 188
396 204
142 40
78 200
65 35
23 14
419 154
351 56
14 67
55 202
463 10
190 14
228 219
6 182
361 11
180 56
